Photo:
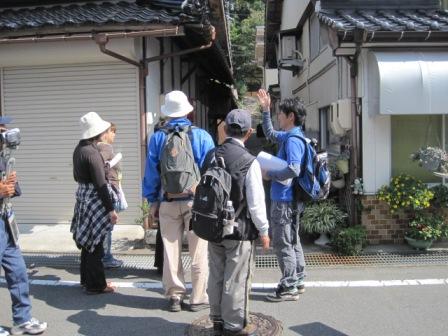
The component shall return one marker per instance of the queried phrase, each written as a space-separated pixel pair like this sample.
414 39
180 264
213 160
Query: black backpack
210 199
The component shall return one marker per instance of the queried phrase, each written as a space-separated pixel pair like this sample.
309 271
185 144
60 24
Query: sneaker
283 294
301 286
3 332
195 307
32 327
248 330
175 304
114 263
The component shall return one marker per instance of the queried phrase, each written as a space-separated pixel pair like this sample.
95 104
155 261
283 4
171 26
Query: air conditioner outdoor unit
340 116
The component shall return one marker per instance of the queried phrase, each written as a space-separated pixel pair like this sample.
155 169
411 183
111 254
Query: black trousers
158 258
92 270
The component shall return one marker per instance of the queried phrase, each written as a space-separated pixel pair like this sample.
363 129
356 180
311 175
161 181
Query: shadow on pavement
92 324
316 329
74 298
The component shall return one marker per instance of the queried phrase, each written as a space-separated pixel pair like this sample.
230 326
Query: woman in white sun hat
94 212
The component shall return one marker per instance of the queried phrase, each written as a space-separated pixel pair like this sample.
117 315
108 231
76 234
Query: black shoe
218 326
175 304
283 294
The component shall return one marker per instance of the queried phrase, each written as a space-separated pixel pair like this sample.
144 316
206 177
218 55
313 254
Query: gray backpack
179 172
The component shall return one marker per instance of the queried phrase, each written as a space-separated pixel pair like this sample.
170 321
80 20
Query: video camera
10 138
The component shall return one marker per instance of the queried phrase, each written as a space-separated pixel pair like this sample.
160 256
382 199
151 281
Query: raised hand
264 99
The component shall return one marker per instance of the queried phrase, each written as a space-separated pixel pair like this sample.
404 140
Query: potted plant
350 240
424 228
440 199
342 161
434 159
322 217
337 178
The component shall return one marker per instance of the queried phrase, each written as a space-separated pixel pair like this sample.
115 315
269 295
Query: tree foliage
246 15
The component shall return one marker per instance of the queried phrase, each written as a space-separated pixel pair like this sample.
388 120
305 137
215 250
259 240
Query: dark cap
241 118
5 120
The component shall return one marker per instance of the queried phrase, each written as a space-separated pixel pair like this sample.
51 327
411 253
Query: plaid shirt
91 221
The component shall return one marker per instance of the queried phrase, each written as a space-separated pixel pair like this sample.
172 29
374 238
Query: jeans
16 276
286 242
107 245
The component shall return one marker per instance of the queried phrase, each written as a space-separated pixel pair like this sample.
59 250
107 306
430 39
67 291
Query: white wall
292 12
45 53
270 77
376 129
152 85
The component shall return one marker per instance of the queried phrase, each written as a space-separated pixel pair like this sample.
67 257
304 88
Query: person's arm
202 145
151 183
265 102
98 175
295 149
268 129
255 198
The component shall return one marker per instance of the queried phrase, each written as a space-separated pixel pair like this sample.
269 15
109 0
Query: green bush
145 209
349 241
322 217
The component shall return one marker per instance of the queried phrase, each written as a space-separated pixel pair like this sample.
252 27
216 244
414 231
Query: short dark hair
235 131
294 105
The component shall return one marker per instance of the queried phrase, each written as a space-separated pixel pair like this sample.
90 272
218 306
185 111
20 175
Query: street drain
263 261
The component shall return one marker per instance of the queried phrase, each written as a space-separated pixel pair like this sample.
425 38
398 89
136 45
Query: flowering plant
405 192
434 159
427 226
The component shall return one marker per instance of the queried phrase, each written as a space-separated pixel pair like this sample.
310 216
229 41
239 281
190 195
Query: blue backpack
313 183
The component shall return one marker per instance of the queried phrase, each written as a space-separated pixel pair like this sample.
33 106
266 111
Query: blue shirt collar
179 121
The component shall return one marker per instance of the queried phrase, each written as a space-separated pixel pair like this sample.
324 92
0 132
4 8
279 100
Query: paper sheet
270 162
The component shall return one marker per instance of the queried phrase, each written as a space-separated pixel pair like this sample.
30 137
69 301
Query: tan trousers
174 220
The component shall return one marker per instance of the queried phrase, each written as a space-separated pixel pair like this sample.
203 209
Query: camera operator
11 258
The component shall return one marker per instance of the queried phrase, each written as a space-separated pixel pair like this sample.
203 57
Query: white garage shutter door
46 104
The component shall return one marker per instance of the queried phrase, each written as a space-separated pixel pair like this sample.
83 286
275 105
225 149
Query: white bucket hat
92 125
176 105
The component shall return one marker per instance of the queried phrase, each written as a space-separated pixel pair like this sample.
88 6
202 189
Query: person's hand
265 241
113 217
154 210
264 99
7 189
12 178
264 175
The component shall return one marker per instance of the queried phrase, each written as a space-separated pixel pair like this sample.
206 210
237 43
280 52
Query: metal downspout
354 163
183 52
174 31
102 40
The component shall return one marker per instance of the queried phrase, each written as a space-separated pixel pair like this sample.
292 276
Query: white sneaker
32 327
3 332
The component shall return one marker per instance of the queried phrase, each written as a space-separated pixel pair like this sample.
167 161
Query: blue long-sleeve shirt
201 144
292 150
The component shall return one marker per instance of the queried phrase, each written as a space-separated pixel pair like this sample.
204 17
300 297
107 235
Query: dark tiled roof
387 20
89 14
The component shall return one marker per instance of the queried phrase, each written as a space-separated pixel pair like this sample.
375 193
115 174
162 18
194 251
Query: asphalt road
329 308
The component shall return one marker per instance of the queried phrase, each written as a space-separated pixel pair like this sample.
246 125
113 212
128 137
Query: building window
318 37
411 132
